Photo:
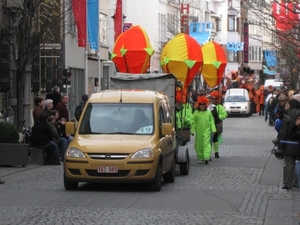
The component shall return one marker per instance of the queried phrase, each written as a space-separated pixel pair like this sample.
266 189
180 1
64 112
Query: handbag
219 128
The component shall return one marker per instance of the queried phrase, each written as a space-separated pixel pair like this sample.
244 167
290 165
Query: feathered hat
180 95
202 99
216 94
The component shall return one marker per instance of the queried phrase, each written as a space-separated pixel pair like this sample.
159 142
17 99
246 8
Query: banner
246 43
93 23
79 10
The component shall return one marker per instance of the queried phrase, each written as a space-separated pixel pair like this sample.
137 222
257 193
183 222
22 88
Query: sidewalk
286 203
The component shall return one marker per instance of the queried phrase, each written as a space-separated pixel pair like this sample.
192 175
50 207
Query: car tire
185 167
70 185
169 177
156 184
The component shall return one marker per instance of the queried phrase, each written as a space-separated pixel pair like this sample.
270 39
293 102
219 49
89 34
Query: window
255 53
231 23
103 33
219 24
232 56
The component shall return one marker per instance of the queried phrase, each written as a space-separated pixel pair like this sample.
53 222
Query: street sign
126 26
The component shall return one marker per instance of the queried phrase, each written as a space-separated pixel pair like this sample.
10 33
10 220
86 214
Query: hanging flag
79 11
93 23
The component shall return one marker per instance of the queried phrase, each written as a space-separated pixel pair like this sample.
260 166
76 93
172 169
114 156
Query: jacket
288 123
41 134
62 110
295 136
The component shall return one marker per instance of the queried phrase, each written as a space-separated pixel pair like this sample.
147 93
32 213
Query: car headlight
144 153
75 153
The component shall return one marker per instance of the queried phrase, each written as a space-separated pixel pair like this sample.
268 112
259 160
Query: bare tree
284 32
29 27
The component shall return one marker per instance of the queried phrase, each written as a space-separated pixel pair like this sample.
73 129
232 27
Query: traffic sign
126 26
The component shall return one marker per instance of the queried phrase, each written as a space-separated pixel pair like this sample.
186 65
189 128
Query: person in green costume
219 114
184 113
203 126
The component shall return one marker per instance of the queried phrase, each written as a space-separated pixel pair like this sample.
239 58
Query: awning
270 57
200 31
267 71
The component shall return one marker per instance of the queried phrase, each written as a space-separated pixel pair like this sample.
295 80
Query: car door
166 142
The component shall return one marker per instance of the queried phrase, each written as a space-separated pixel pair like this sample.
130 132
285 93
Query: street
242 188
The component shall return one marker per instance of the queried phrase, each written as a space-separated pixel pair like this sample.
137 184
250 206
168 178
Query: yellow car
122 136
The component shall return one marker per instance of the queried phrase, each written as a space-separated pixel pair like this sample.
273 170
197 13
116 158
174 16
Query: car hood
235 104
112 143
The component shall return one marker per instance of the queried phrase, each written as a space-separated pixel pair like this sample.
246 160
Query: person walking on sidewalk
203 127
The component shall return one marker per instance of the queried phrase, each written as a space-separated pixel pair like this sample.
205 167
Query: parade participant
184 112
260 100
219 114
203 126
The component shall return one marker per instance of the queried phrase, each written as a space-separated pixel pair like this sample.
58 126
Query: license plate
235 111
107 169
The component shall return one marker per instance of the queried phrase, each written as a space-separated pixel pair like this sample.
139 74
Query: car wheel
185 167
169 177
70 185
156 185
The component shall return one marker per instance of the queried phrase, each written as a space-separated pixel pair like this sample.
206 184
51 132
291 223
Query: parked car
237 102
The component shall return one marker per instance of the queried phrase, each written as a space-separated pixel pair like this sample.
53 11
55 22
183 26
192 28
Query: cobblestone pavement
242 187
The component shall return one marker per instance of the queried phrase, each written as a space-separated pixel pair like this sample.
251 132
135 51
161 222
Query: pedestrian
38 109
54 95
203 127
289 151
80 106
270 107
48 106
278 124
295 135
62 107
219 114
41 135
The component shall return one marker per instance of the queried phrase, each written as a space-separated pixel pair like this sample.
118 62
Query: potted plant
11 151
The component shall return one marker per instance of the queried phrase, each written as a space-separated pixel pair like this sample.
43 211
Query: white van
275 83
237 101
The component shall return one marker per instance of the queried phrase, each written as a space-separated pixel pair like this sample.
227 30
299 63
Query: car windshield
235 98
118 118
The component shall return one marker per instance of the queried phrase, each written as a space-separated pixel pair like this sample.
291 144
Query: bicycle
26 132
5 115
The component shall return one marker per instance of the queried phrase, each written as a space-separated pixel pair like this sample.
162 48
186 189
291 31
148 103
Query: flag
79 11
93 23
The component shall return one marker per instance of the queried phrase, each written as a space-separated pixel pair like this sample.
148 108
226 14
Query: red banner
79 10
246 43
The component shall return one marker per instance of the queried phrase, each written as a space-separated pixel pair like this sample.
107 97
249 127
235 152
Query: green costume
184 117
203 126
222 115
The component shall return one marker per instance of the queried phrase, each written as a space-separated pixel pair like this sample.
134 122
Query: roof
126 96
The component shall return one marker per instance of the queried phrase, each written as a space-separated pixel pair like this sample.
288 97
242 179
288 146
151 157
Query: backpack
78 110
